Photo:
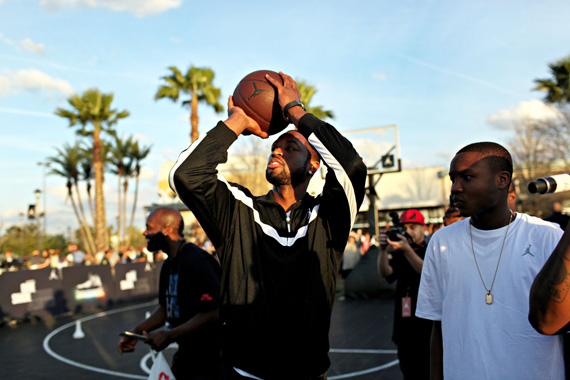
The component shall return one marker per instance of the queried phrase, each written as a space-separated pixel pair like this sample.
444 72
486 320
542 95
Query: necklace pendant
489 298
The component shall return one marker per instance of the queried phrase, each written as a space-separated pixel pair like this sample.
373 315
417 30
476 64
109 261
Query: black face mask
156 242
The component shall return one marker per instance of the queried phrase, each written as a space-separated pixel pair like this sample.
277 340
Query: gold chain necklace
489 296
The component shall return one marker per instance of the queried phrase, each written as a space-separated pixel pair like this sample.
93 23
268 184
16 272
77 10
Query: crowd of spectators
54 258
74 255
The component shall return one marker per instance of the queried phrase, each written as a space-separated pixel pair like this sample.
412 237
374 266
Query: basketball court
42 349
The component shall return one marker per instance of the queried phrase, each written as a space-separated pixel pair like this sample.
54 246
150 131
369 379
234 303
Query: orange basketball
258 99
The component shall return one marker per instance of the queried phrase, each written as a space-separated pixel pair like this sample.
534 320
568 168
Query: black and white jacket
279 271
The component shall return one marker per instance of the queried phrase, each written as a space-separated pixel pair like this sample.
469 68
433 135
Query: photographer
406 243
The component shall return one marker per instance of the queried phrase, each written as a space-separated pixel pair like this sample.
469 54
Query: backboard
379 147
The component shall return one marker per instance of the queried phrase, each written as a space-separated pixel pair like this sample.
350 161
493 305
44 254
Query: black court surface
361 347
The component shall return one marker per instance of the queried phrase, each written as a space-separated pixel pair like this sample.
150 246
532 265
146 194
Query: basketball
258 99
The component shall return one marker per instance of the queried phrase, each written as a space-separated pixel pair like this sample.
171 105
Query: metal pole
373 227
21 234
45 165
38 193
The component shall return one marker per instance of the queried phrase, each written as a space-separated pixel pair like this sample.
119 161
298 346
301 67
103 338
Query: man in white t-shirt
477 275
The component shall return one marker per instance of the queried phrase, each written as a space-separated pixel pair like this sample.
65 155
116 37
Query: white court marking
145 358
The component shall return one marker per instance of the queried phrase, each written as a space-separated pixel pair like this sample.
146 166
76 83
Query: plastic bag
160 369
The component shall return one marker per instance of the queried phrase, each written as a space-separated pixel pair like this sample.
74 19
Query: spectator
351 256
557 216
364 243
107 258
451 216
477 275
37 261
410 334
10 263
54 259
188 294
75 256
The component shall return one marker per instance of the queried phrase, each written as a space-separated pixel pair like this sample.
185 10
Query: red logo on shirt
206 297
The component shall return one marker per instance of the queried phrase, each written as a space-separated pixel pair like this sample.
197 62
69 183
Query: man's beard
285 177
156 242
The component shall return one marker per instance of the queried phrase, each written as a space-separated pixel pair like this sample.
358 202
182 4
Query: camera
397 229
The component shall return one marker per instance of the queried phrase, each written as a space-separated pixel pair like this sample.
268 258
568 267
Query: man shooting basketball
280 252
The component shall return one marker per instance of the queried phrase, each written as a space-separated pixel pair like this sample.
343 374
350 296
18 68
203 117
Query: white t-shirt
494 341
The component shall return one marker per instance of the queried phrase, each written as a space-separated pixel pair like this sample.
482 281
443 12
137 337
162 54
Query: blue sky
448 73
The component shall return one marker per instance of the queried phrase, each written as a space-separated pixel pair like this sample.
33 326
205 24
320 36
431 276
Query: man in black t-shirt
189 291
411 334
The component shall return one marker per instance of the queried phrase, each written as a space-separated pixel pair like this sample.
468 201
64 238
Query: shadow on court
45 349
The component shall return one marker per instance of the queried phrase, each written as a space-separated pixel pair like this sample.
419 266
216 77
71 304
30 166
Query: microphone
547 185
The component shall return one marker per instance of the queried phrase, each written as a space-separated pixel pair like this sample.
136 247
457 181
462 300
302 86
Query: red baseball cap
412 216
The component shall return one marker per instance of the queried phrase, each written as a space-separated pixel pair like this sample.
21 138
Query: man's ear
314 166
503 179
167 231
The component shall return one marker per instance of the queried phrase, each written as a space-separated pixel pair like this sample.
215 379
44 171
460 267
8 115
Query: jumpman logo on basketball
527 251
256 91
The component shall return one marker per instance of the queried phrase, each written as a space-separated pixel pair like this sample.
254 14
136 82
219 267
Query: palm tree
137 154
119 154
307 92
197 83
558 86
93 108
68 159
86 165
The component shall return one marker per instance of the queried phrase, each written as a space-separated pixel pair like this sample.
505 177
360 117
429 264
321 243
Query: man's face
473 188
288 163
155 240
416 231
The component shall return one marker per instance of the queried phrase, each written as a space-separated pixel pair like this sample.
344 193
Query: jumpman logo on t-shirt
527 251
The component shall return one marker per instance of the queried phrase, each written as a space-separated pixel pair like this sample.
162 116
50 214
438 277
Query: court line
364 371
50 352
361 351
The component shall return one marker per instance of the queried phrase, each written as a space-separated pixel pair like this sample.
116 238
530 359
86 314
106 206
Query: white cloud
5 86
140 8
32 80
6 40
506 119
379 76
31 46
455 74
18 111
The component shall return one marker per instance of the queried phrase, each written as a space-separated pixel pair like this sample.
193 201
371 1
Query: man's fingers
275 83
287 80
263 134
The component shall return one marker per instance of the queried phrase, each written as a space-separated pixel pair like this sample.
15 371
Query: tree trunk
101 237
90 201
119 216
85 244
84 220
125 188
194 117
134 207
